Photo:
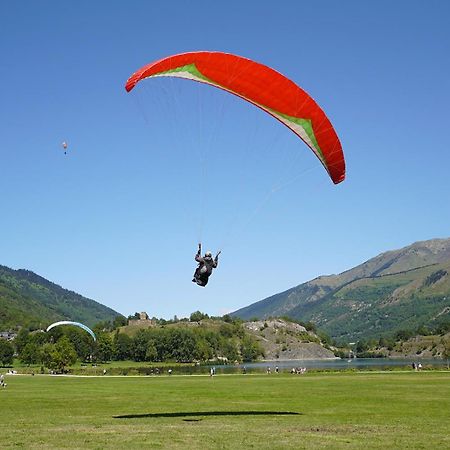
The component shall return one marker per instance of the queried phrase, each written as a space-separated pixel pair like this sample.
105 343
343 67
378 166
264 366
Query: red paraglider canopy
265 88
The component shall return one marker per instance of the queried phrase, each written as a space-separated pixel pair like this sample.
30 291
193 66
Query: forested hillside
29 300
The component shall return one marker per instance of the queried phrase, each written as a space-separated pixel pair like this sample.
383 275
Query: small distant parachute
77 324
64 146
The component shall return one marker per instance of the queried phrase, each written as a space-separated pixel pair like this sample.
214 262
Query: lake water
329 364
283 366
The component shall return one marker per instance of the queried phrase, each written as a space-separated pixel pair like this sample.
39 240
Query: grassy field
341 410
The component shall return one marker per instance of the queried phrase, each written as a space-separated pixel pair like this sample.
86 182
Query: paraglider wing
265 88
77 324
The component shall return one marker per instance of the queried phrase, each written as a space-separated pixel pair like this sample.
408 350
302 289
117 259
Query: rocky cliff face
284 340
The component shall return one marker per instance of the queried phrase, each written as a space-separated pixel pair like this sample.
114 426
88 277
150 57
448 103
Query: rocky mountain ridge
408 287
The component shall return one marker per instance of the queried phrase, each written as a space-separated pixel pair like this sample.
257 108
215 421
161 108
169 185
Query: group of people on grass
298 370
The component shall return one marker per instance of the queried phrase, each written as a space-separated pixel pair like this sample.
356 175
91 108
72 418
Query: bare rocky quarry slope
284 340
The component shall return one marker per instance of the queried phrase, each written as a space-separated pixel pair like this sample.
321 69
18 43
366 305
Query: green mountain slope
28 299
400 289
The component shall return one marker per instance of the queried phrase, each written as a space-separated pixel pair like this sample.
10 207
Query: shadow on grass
208 413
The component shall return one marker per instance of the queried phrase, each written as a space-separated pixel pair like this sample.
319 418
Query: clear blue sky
119 217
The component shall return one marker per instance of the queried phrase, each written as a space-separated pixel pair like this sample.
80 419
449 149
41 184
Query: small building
7 335
143 320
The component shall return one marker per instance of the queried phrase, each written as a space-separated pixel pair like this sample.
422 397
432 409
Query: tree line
174 341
